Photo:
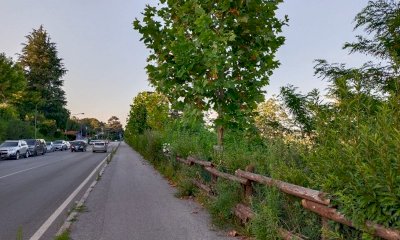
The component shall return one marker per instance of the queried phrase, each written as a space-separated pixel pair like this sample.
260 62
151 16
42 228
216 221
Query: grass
64 236
20 234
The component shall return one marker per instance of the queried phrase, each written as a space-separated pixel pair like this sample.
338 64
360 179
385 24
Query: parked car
36 146
78 145
99 147
60 145
14 149
91 142
68 143
50 146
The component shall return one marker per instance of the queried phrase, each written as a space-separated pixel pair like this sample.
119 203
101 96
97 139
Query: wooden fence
313 200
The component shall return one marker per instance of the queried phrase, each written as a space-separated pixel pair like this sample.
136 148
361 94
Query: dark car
36 146
77 146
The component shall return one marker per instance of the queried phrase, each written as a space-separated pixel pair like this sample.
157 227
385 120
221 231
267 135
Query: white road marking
24 170
39 233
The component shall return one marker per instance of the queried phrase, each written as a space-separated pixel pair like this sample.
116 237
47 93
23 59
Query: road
32 189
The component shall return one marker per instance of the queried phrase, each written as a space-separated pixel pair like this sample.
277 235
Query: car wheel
26 154
17 156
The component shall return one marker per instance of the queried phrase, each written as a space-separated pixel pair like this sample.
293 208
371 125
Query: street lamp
66 124
35 118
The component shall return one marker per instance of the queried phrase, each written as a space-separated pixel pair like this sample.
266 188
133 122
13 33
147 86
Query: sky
105 57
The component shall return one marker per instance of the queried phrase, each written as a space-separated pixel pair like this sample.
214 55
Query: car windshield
9 144
99 144
30 141
58 142
48 143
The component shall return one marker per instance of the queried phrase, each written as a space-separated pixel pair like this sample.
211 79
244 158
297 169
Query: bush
228 196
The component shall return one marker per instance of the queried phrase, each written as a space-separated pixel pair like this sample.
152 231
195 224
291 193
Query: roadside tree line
32 99
31 90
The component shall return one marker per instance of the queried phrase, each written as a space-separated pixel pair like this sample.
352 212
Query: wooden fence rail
313 200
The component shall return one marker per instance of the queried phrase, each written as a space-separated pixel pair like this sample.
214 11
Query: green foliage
148 111
212 54
64 236
355 157
301 107
228 196
357 160
44 71
266 223
186 187
15 129
271 120
350 143
114 128
12 80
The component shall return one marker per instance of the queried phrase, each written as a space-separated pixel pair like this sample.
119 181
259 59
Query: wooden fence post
248 187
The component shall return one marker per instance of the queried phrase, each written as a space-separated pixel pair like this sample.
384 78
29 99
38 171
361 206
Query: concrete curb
74 213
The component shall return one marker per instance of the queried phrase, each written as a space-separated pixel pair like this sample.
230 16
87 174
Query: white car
60 145
100 146
14 149
50 147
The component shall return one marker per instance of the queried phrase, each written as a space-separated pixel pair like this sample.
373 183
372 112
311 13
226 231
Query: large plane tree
212 54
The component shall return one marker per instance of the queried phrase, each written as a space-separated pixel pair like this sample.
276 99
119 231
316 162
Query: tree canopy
12 80
212 54
44 71
149 110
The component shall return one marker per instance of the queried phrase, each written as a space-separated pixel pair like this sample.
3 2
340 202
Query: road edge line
46 225
73 214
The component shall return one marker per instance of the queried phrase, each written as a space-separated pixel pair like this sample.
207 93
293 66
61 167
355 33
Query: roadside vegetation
31 94
345 142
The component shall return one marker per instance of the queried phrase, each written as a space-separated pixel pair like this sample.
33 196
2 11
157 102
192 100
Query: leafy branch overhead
212 54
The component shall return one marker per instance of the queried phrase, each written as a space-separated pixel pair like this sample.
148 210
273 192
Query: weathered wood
243 212
215 172
381 231
248 188
200 162
286 235
295 190
203 187
182 160
247 191
331 213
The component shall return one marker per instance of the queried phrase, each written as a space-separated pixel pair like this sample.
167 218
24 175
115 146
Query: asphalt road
133 201
32 189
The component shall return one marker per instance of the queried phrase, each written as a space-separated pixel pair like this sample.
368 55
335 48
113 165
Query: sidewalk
132 201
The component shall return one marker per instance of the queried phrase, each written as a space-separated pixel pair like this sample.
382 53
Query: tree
148 111
212 54
114 127
271 119
381 21
44 71
301 107
12 80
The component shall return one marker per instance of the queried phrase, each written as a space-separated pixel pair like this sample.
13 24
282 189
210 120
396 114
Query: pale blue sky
106 60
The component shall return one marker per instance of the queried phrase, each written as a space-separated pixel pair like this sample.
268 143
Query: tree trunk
220 139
